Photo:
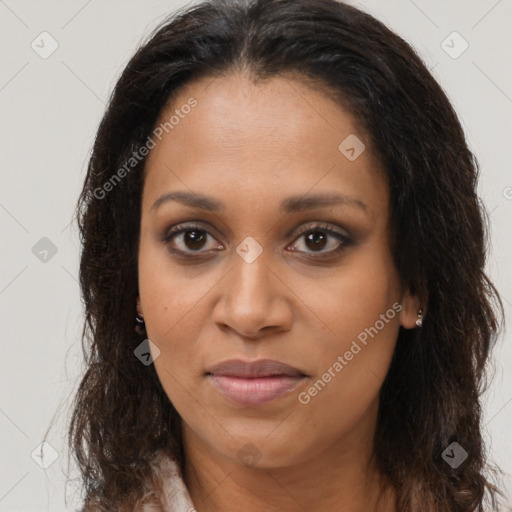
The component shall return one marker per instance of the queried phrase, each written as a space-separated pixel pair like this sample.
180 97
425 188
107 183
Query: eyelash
193 226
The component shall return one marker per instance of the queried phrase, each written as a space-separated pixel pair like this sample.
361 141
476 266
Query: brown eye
189 239
321 240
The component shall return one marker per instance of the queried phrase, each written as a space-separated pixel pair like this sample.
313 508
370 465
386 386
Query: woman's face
281 252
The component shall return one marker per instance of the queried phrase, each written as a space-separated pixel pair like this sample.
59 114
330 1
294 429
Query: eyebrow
289 205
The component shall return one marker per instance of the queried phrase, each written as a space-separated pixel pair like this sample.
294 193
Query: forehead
272 137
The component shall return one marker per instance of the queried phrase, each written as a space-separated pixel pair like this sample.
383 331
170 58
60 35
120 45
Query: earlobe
140 325
412 312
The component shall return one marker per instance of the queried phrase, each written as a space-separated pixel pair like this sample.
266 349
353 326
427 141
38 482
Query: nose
253 300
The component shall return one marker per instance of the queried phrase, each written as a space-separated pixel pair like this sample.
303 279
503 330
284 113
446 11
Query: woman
282 197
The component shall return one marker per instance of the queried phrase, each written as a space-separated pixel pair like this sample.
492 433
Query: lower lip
255 391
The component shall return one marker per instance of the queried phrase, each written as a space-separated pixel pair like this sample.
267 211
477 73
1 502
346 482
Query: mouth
254 383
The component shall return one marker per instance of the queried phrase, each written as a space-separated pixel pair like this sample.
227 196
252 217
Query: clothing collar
174 496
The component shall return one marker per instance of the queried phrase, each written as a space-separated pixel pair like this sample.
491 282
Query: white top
175 496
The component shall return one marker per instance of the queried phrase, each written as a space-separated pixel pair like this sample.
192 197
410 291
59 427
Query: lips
252 383
252 369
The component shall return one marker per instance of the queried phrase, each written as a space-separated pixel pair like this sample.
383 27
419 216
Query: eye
318 237
189 238
193 238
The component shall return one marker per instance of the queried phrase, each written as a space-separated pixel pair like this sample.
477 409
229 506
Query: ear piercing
139 324
419 321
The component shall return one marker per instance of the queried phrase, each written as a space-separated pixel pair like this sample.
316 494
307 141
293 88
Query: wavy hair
122 418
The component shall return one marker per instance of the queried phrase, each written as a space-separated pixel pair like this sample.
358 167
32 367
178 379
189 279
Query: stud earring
139 324
419 321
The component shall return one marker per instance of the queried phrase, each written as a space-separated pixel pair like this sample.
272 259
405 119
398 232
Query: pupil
317 239
194 239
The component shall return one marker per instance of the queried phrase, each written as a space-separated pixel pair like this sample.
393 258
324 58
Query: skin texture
250 147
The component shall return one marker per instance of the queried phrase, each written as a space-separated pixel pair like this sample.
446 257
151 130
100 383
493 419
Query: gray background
51 108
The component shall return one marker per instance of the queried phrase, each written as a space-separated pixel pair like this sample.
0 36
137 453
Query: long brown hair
122 417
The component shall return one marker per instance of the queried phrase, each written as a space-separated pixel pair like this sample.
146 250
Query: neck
343 477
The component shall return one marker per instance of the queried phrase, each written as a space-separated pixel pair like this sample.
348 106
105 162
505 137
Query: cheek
174 320
353 298
171 299
175 326
171 294
351 370
359 314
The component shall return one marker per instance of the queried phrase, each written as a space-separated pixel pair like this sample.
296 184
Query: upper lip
259 368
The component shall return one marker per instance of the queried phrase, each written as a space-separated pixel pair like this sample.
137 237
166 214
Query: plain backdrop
51 105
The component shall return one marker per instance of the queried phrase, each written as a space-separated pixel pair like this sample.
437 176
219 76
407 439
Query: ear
411 306
139 308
